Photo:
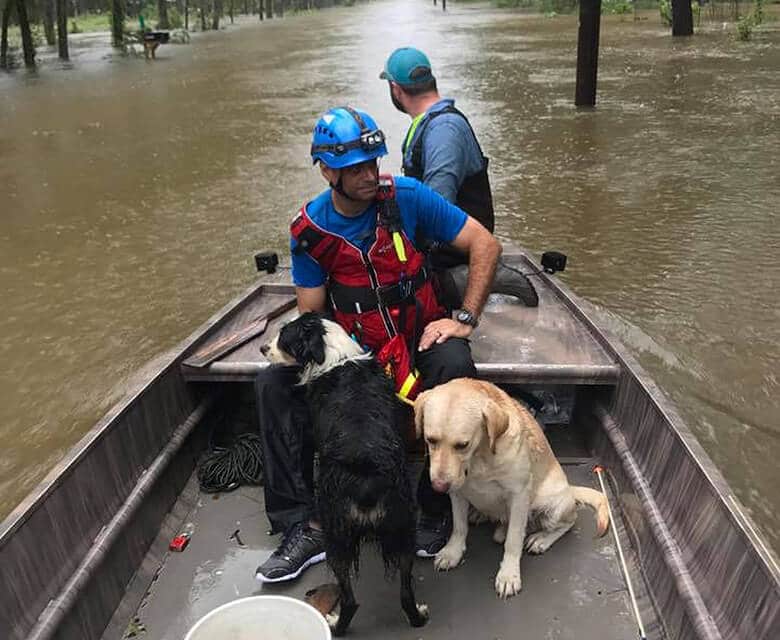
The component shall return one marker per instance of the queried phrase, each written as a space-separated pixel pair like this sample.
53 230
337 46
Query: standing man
440 149
353 253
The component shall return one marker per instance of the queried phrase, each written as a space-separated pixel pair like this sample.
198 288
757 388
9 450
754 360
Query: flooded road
133 196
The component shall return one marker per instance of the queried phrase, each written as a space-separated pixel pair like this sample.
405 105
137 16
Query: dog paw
449 557
508 583
499 534
537 543
332 619
422 616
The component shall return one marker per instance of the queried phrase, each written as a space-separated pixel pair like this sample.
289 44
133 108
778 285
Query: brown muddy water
133 195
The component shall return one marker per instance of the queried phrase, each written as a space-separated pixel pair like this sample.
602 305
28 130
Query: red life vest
379 293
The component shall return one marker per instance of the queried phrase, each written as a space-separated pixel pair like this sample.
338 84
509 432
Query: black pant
288 446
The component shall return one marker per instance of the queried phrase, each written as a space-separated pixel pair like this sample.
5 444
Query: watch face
465 317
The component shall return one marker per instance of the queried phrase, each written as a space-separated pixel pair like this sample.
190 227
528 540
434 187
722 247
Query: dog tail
598 502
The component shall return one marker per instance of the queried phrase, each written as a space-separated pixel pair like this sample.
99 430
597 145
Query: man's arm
483 251
311 299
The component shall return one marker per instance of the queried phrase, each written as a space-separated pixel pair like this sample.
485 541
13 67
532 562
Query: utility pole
588 53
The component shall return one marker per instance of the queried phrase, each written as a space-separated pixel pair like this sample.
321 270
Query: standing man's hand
439 331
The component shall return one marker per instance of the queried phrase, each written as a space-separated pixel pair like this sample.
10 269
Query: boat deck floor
575 590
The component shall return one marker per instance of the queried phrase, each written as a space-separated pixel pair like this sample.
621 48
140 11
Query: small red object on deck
180 542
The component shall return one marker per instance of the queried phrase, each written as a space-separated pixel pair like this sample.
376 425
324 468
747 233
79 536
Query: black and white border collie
364 491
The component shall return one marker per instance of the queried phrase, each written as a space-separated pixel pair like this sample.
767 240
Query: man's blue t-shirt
420 207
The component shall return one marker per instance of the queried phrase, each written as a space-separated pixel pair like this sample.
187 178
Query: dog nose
265 349
440 486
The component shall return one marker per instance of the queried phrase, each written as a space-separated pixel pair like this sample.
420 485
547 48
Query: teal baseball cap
407 66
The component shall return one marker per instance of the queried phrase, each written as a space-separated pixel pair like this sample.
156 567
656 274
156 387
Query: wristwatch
466 317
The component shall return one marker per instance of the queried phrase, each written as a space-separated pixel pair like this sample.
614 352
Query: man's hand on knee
440 331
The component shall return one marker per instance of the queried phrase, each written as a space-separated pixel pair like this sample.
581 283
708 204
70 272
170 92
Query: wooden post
682 18
588 53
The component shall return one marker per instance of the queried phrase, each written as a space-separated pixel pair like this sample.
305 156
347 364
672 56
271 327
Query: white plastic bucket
262 618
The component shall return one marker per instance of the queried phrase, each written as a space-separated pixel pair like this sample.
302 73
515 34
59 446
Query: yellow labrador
488 451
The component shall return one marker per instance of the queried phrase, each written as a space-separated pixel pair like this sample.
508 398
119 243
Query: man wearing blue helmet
440 148
355 255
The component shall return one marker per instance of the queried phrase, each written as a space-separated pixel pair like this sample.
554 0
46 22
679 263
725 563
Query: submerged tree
48 22
62 29
28 46
6 17
162 10
216 8
118 22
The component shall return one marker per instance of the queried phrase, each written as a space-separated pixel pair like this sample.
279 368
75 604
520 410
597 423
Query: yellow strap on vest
406 387
410 134
398 243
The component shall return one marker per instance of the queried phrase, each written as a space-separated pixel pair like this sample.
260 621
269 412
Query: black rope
227 468
535 272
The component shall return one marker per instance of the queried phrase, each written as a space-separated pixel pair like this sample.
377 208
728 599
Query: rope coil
227 468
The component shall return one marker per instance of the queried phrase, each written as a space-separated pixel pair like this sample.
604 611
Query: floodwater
134 194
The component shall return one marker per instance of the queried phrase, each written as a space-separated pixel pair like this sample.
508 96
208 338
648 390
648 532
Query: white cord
622 558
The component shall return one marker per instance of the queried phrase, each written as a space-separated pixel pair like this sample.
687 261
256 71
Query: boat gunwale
743 523
168 359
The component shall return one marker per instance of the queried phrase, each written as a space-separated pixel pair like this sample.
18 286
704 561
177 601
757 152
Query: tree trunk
682 18
246 8
269 8
4 34
62 29
230 11
203 25
186 15
217 7
118 22
280 8
260 9
162 10
48 22
24 27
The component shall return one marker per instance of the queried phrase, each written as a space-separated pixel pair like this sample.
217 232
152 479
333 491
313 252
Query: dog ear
418 413
315 346
496 422
303 339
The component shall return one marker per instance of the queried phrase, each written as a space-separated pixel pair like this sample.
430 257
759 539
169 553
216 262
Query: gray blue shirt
450 153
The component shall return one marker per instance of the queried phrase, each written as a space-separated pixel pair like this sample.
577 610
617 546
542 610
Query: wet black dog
364 491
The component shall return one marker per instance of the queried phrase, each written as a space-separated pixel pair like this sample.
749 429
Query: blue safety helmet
345 136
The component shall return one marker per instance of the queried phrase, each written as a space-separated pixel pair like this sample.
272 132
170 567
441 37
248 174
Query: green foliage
550 8
175 19
746 24
665 9
618 7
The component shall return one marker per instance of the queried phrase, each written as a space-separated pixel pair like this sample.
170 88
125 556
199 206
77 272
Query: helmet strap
339 188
